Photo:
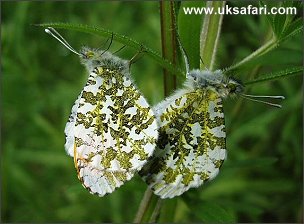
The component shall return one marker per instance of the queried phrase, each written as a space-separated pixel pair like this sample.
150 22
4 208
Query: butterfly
191 147
112 130
192 136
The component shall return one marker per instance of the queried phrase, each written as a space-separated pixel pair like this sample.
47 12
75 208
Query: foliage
261 180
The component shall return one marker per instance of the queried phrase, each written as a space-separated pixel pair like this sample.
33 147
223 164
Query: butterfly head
234 87
228 87
93 58
87 54
215 80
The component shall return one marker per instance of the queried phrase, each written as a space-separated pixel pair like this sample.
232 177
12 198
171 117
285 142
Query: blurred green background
261 181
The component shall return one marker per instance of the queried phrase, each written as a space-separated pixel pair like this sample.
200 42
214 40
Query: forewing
115 132
191 144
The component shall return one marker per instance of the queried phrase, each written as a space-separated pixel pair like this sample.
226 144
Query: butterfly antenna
272 97
251 97
51 31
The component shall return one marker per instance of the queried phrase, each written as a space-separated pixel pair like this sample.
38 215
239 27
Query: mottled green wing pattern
115 131
191 145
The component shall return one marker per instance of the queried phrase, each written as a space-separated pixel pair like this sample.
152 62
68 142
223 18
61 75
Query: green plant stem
268 46
151 202
156 211
174 70
143 206
276 75
210 35
149 208
168 40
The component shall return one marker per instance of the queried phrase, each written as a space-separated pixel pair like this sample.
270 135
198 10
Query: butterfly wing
70 128
191 144
115 131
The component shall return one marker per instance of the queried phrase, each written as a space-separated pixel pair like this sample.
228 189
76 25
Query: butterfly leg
111 40
137 56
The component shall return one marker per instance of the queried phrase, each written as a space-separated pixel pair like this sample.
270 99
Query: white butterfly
192 138
112 130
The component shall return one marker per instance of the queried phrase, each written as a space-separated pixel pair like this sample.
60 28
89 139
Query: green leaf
210 35
119 38
283 27
276 75
267 47
294 28
269 16
189 31
279 24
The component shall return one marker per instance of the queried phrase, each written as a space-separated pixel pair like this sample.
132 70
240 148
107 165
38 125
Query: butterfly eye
231 87
89 54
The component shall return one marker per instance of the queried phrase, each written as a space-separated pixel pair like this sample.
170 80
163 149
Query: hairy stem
268 46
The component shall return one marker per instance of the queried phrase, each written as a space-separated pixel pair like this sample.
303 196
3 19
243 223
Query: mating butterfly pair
113 133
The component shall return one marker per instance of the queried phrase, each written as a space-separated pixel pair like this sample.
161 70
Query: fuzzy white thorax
92 58
215 80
